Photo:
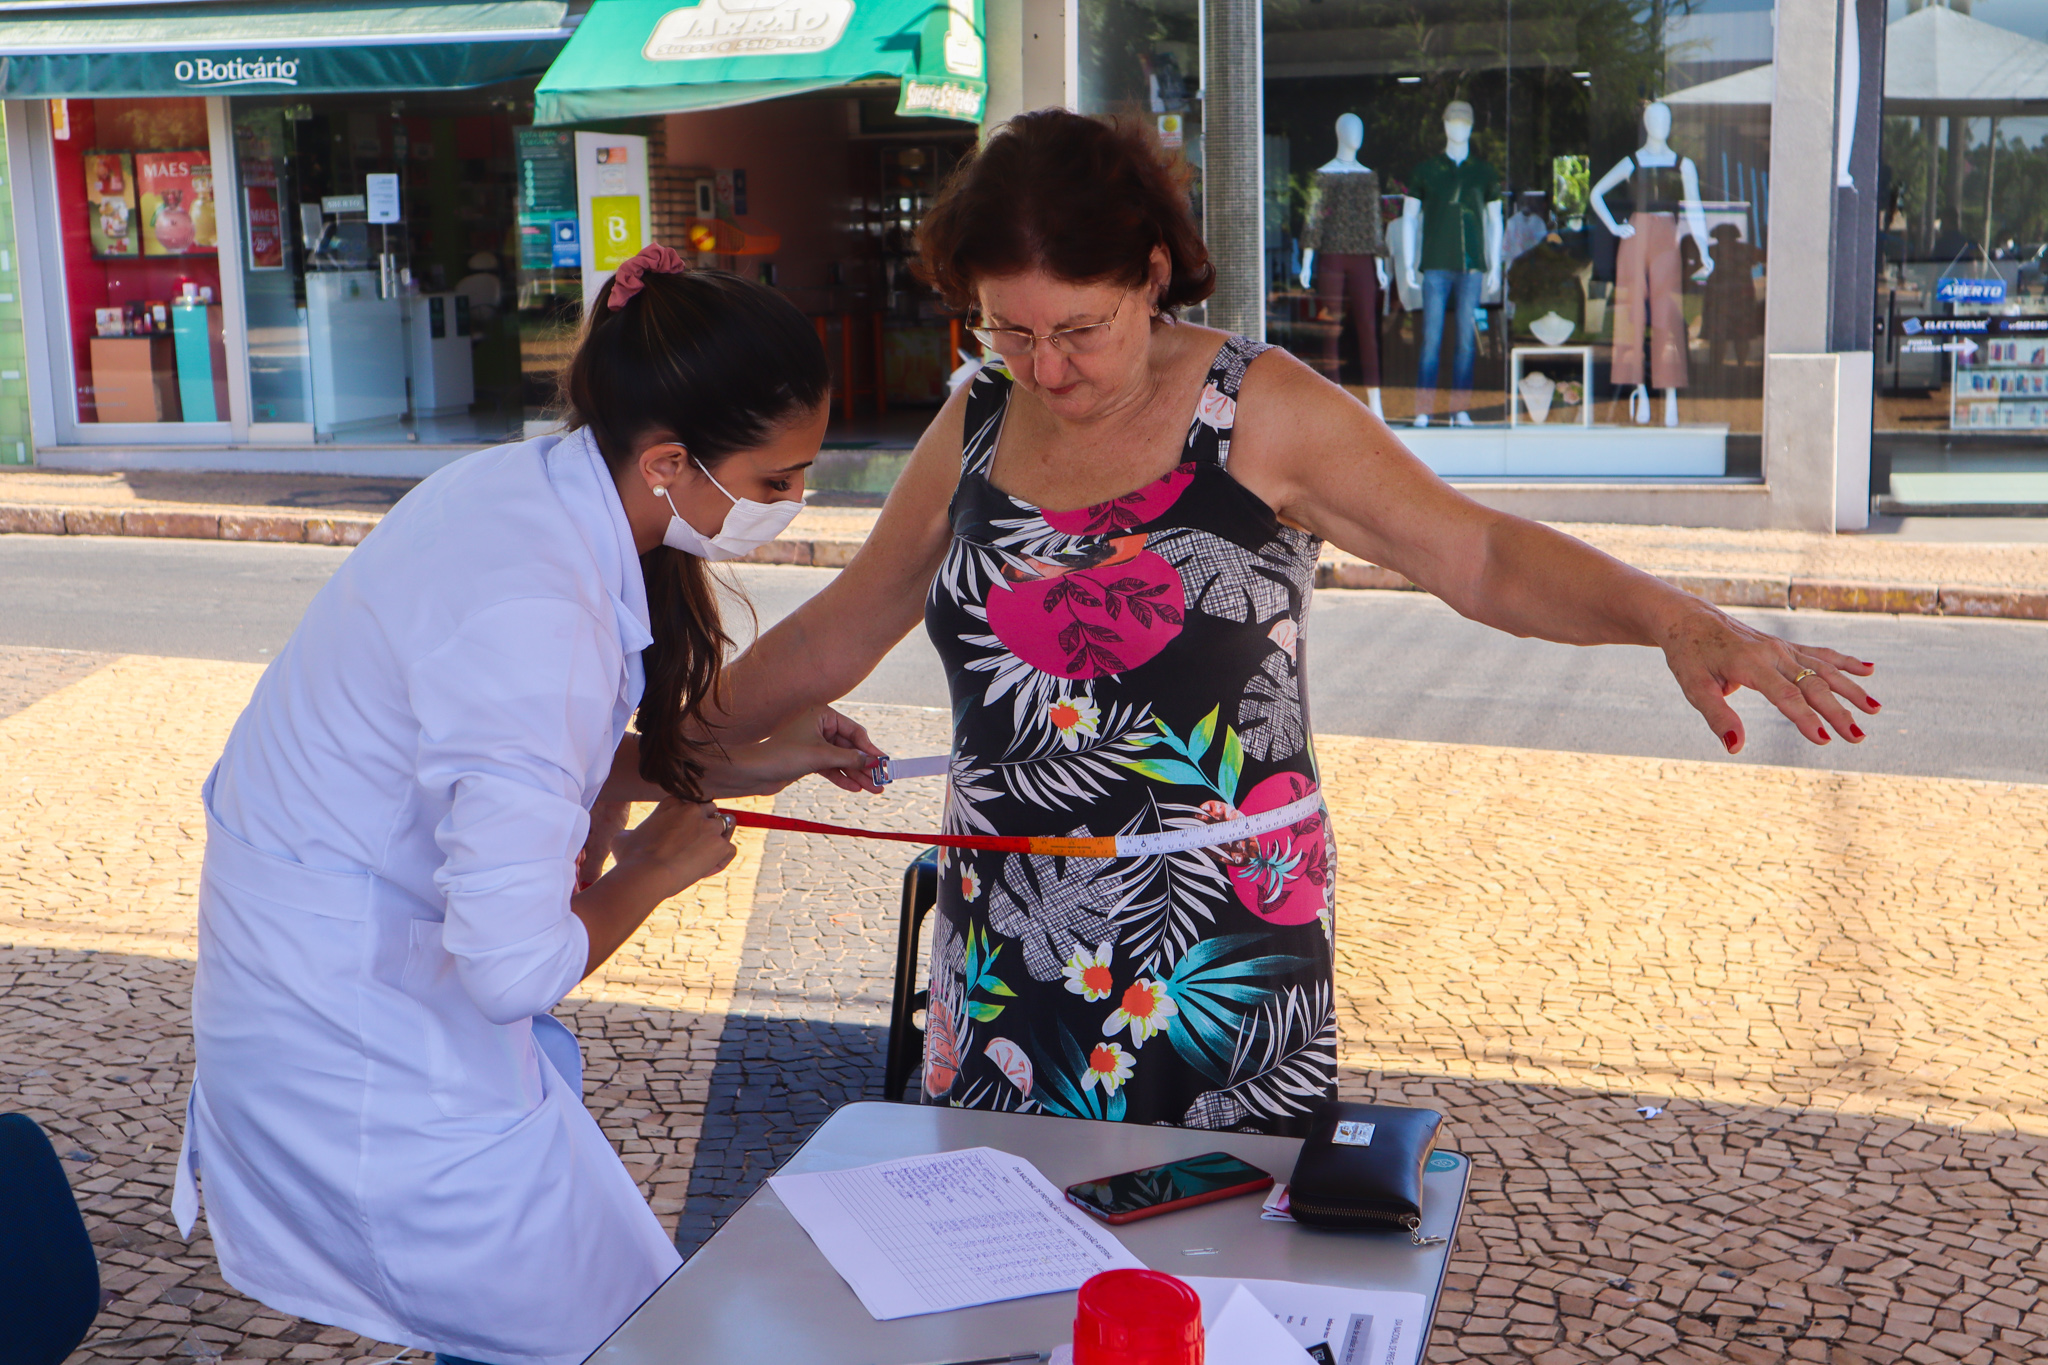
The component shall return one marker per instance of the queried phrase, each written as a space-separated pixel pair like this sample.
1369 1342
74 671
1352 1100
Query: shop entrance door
381 236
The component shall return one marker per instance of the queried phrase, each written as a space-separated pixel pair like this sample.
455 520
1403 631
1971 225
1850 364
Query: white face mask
748 525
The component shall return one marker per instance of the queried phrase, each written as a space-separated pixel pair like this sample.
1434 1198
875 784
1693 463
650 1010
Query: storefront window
135 198
1962 301
1142 60
379 243
1542 219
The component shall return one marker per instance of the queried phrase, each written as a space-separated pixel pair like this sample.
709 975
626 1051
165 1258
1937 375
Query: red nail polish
1855 730
1825 737
1729 740
1875 704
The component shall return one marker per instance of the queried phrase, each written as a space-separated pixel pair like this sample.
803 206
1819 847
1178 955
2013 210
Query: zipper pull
1414 1226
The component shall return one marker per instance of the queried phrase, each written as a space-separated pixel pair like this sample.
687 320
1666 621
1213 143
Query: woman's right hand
678 845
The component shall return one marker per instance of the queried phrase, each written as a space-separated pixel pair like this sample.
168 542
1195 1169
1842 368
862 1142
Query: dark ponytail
717 363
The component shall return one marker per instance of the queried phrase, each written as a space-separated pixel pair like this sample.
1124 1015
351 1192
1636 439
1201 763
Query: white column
227 218
1802 394
1003 22
1233 164
1050 41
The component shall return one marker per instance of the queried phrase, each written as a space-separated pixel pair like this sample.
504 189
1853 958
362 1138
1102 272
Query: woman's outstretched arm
823 649
1326 464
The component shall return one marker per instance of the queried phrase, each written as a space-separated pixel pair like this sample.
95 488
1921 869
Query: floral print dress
1126 668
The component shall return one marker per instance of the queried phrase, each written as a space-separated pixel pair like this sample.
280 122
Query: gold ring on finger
1804 674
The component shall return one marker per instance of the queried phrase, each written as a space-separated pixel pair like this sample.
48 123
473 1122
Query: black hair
718 364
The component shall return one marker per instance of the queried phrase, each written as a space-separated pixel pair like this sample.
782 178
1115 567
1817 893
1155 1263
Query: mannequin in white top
1648 276
1352 229
1483 182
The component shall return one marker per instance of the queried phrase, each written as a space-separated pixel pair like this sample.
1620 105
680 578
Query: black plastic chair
49 1278
905 1049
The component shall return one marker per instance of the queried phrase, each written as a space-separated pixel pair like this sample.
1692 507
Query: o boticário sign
632 57
414 66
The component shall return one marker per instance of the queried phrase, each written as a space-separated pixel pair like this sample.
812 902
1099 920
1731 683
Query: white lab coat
387 1125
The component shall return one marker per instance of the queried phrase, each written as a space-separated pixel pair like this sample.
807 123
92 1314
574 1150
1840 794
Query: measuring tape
1050 846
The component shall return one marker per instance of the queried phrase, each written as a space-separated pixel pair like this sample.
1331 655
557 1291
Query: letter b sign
616 218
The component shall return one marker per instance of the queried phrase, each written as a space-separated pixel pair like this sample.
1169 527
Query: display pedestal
357 344
135 379
202 361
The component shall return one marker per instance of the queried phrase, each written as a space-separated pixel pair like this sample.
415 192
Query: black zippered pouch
1361 1166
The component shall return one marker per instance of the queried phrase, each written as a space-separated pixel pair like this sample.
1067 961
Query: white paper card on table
1246 1333
1360 1326
925 1234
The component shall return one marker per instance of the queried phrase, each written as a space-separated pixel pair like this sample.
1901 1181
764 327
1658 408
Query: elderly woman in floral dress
1113 537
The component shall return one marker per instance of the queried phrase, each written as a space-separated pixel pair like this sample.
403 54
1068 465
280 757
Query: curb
1796 594
162 523
1723 590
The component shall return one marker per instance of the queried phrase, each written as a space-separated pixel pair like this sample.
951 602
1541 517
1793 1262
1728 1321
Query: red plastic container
1137 1317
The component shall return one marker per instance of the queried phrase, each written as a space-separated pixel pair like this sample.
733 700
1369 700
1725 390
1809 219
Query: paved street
1830 984
1961 696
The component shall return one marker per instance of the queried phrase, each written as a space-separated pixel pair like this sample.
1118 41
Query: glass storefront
373 239
139 234
1530 229
378 234
1961 411
1549 217
1142 60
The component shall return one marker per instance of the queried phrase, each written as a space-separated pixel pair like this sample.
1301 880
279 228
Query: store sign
747 28
1957 290
357 67
207 73
958 99
611 201
617 219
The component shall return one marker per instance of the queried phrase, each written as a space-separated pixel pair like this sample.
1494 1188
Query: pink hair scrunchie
631 274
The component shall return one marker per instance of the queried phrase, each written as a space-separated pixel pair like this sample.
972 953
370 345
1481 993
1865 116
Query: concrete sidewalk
1920 566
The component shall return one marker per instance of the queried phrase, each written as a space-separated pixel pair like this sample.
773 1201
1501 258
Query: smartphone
1162 1189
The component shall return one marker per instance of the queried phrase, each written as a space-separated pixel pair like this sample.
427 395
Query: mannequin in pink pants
1649 279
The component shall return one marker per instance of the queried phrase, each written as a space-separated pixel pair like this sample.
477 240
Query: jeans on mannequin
1459 289
1344 278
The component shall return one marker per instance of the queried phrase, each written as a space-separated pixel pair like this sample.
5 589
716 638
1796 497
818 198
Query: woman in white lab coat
385 1121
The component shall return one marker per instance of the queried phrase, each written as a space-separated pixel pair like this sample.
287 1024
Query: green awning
228 47
631 57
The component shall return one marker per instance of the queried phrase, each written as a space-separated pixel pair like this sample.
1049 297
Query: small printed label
1442 1161
1353 1133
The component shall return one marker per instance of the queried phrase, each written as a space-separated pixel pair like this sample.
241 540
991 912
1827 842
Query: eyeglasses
1015 342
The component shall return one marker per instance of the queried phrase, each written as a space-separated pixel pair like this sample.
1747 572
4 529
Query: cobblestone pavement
1829 986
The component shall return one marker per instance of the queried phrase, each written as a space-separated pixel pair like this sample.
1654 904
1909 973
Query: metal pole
1233 164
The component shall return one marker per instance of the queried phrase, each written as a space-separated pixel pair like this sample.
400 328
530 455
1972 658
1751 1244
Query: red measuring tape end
1052 847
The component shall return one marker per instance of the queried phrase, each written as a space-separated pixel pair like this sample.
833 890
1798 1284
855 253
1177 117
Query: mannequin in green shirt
1452 226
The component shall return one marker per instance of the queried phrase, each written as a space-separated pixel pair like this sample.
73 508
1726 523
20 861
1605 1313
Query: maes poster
177 202
110 205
